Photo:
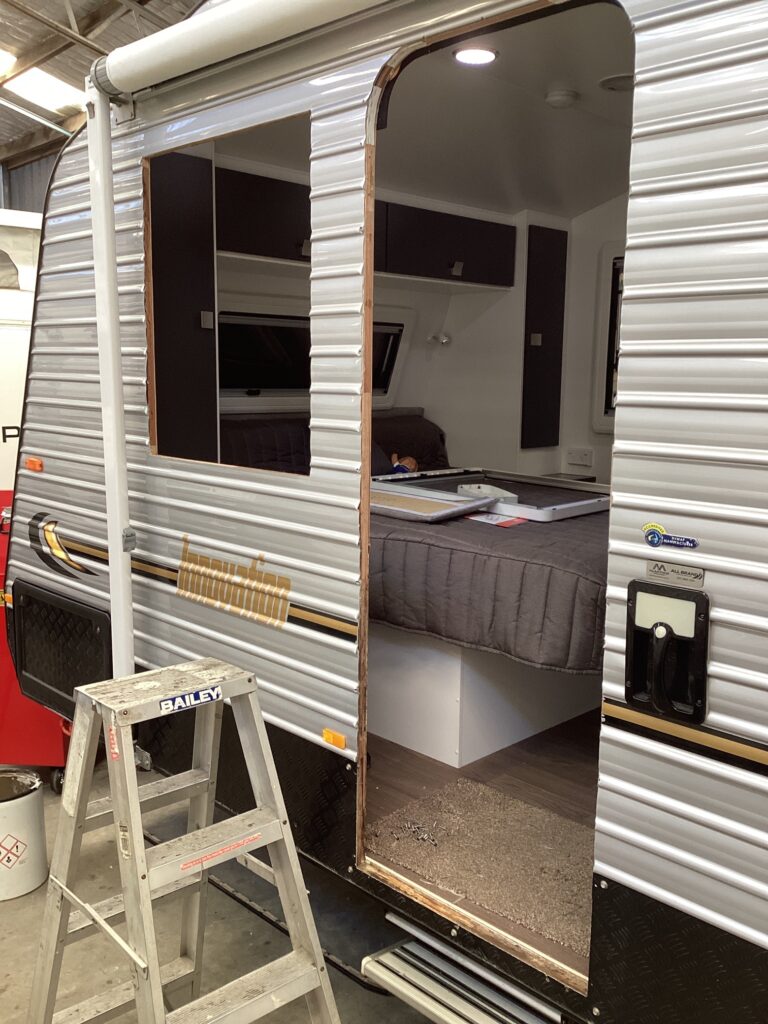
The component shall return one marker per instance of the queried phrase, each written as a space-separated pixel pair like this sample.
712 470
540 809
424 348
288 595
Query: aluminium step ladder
178 867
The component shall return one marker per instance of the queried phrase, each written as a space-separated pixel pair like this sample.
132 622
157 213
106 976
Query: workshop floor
237 941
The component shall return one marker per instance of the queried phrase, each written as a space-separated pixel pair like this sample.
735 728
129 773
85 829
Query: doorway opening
500 223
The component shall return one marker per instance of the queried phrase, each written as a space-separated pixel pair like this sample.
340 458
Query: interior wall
470 386
582 373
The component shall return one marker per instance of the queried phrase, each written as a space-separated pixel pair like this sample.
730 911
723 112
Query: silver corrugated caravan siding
691 428
691 450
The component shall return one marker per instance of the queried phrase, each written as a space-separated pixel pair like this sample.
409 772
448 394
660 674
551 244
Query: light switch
206 319
536 340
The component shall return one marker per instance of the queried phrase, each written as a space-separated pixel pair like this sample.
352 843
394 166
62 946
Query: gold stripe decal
698 737
250 589
56 547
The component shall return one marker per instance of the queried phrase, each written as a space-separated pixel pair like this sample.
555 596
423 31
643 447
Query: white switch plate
580 456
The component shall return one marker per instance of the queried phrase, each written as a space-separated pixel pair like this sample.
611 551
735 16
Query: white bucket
23 855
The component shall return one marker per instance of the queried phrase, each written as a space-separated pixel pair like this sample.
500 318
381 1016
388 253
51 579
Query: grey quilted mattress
535 591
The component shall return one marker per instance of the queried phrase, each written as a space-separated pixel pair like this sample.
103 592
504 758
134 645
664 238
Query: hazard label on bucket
11 850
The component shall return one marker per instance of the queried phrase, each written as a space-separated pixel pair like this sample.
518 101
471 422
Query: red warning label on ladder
11 850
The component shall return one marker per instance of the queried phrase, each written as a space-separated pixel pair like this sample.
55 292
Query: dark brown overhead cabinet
262 216
425 243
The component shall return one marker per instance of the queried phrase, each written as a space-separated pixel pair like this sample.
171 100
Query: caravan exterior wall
690 456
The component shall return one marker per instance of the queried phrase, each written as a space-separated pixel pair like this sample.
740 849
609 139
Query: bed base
456 704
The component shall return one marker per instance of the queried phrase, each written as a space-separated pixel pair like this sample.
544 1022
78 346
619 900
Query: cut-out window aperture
229 249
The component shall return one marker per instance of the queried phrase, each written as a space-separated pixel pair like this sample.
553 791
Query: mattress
534 592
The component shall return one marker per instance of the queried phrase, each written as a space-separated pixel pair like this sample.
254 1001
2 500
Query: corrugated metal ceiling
109 23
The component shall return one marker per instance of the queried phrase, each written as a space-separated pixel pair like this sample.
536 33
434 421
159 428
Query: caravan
352 318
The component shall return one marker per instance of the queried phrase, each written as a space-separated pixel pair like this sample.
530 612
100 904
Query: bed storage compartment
456 704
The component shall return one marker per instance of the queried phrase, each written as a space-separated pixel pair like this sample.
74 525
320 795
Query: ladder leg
205 755
66 854
283 856
132 860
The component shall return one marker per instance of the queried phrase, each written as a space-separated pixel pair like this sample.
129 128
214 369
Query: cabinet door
424 243
182 341
544 317
262 216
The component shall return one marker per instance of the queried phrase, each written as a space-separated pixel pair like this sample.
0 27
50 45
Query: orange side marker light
33 464
336 739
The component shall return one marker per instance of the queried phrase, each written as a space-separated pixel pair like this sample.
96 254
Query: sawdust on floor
520 861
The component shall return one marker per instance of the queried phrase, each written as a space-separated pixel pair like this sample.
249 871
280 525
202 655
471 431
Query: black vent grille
60 644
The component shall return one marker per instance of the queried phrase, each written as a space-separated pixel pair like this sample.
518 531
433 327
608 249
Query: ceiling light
618 83
475 56
47 91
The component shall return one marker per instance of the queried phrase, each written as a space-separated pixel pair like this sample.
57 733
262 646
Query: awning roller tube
215 35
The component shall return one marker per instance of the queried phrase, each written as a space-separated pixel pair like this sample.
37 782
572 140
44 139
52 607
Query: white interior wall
472 387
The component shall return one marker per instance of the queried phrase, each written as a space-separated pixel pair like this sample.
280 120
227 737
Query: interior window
614 323
262 355
9 274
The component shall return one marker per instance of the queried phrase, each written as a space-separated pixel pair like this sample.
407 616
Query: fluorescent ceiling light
44 90
475 55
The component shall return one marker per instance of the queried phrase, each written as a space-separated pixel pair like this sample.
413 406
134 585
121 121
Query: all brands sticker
676 575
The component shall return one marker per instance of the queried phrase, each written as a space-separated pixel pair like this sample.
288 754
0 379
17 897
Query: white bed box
456 704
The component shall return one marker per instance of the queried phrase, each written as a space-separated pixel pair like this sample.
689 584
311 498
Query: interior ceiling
485 137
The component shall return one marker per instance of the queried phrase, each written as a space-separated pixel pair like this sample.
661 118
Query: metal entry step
447 987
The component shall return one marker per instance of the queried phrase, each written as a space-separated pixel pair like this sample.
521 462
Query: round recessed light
618 83
475 55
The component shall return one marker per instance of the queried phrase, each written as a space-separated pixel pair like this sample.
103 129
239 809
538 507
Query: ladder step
165 691
112 909
193 853
254 995
116 1001
152 795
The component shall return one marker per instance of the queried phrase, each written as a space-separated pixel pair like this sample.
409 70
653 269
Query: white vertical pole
119 534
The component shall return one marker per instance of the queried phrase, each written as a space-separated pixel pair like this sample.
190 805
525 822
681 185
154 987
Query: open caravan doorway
500 224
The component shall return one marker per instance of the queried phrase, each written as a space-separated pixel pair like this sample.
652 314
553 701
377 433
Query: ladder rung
193 853
258 867
113 911
116 1001
254 995
152 795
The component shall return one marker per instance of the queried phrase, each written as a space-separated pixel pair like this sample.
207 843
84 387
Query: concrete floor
237 941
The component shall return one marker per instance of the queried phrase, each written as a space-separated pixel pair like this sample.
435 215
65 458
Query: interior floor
534 802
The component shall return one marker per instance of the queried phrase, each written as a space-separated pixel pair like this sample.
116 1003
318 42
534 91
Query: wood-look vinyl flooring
555 770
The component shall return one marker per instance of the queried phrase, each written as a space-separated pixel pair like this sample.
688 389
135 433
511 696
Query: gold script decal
246 590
